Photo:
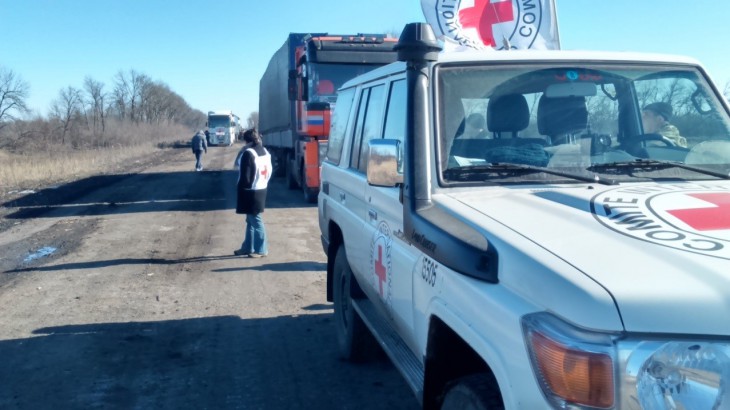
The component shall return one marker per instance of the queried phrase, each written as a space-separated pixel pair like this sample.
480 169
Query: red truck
297 94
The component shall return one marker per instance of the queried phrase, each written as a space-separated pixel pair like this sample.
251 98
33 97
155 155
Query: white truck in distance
574 253
223 127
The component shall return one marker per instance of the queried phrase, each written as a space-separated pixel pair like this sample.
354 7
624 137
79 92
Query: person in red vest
254 173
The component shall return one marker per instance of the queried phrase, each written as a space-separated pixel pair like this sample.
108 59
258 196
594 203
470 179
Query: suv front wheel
354 340
473 392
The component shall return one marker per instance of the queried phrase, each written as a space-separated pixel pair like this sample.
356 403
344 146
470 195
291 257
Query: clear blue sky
213 53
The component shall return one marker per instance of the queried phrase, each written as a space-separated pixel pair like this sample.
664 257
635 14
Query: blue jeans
198 154
255 239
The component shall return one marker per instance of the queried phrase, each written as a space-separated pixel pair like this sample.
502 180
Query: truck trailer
298 91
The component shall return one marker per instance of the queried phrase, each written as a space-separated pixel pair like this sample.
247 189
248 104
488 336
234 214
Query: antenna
505 41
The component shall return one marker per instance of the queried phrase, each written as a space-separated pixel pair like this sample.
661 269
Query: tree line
92 115
99 115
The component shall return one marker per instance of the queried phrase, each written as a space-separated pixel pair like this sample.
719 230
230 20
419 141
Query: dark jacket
249 201
198 143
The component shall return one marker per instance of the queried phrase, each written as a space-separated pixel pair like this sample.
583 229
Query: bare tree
96 96
178 110
119 101
253 120
67 108
192 118
156 103
94 114
13 93
136 97
129 91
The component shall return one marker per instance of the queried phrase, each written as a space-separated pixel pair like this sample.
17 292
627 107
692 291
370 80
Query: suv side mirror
383 163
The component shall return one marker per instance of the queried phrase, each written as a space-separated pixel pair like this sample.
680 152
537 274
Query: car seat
561 117
507 113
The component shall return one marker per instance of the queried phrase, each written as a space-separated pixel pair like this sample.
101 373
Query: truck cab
298 92
323 64
571 254
223 127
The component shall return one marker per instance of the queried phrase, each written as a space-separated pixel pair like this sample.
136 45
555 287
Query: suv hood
661 250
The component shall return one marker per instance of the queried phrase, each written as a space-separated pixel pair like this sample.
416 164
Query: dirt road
128 296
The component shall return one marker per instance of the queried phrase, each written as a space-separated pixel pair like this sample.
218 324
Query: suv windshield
589 121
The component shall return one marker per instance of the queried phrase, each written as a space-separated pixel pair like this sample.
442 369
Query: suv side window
339 125
370 124
395 119
355 156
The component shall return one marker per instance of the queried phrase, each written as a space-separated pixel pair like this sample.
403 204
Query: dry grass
38 162
33 171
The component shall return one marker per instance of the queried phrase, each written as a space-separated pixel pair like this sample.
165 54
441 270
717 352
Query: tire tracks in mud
34 235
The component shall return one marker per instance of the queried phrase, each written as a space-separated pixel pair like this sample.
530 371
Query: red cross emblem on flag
498 24
484 15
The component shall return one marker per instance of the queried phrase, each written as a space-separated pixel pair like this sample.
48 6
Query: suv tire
473 393
354 340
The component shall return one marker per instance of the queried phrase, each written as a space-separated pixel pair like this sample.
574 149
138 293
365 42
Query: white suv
567 255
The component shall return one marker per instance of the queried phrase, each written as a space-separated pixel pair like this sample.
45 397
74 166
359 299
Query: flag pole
557 26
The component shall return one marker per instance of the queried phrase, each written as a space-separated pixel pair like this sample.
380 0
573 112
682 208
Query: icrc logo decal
688 217
381 262
485 23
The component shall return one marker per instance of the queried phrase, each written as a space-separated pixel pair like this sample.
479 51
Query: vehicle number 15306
428 271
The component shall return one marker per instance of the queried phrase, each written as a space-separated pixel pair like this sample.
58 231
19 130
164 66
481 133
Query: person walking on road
254 173
199 145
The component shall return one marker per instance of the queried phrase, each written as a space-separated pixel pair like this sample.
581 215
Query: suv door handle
373 215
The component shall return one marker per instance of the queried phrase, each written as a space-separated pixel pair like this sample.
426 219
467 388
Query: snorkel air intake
448 240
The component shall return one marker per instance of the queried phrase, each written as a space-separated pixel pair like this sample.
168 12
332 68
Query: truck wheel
354 341
474 392
291 182
278 162
310 194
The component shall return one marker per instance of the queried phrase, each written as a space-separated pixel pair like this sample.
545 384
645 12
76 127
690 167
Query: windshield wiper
508 166
655 164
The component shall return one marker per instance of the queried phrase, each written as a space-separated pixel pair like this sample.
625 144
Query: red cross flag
497 24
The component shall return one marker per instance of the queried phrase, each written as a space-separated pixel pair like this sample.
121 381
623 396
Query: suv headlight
677 375
583 369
